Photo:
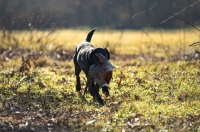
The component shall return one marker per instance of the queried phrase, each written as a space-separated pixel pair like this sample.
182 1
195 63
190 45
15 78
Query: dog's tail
89 36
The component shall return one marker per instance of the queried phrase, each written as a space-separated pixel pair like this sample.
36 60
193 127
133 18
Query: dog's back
83 51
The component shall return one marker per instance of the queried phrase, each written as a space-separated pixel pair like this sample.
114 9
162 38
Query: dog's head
95 59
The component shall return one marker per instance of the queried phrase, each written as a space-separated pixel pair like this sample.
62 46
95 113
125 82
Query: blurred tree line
43 14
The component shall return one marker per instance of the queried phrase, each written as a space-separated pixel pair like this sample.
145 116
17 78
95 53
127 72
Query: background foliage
21 14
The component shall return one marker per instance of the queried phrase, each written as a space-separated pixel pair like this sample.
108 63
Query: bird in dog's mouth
102 73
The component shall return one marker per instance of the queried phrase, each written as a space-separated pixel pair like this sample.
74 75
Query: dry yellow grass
126 41
119 41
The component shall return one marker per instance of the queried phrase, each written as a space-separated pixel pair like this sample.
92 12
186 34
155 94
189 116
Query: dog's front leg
78 83
94 92
77 73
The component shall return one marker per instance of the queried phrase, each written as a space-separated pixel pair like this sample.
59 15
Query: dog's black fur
84 57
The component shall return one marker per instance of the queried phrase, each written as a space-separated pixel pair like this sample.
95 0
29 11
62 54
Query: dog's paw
78 87
105 91
99 99
101 102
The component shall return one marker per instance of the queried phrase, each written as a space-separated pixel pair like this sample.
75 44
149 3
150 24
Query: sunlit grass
158 42
133 41
144 95
158 93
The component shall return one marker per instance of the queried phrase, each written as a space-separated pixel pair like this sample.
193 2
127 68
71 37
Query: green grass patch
144 96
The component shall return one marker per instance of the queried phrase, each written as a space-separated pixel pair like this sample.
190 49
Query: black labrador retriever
84 57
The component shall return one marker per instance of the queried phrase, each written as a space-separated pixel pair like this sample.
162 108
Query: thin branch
143 12
197 52
174 15
194 44
180 11
178 18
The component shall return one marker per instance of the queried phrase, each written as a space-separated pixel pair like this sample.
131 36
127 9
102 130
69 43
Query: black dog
84 57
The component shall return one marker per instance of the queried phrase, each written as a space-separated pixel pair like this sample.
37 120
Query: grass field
146 93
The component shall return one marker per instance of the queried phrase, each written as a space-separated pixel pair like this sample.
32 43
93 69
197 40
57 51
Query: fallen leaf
42 85
20 93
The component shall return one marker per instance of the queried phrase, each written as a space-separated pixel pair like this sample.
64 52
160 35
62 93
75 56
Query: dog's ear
108 53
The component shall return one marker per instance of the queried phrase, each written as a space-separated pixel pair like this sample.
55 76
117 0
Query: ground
148 92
